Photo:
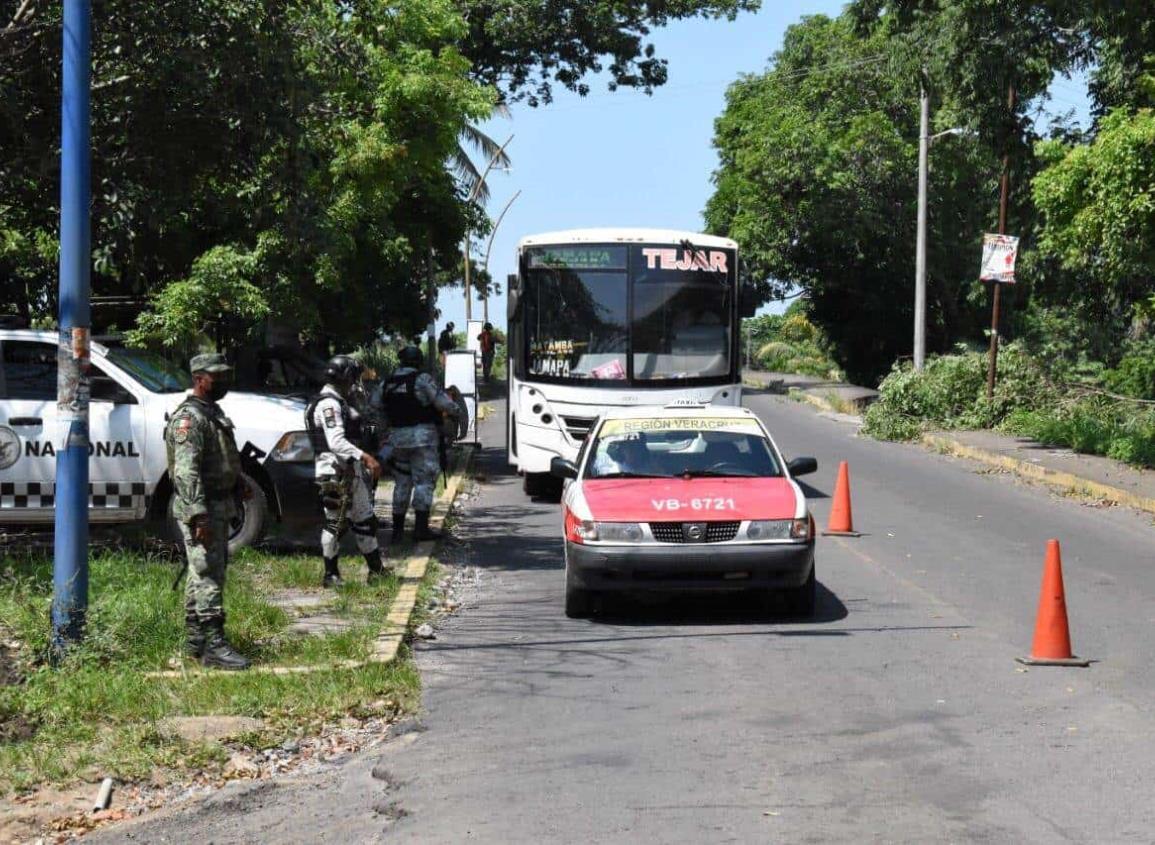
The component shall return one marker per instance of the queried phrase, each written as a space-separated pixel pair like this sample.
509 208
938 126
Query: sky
628 159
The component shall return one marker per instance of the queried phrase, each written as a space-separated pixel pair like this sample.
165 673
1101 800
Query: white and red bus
609 318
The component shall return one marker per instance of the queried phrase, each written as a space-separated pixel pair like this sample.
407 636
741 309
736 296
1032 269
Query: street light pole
920 249
488 247
70 555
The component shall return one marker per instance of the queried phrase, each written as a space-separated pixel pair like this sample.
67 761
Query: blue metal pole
70 563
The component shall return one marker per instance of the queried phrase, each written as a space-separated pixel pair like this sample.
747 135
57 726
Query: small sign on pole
999 253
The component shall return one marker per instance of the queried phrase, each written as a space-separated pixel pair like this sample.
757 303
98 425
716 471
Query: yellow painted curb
1063 481
384 648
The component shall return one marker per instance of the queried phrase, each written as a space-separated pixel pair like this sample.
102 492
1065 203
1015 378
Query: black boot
421 529
398 529
218 653
194 643
377 570
332 577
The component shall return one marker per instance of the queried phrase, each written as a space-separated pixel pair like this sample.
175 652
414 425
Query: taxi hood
692 499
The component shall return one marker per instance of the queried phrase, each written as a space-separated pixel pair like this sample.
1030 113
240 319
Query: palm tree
467 171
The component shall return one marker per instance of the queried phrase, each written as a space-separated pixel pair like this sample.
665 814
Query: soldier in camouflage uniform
413 403
205 469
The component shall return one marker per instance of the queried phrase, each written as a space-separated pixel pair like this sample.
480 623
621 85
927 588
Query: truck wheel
800 601
247 527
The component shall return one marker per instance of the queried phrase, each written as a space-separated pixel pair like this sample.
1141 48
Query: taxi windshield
688 448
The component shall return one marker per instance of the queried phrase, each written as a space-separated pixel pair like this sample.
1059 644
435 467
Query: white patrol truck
133 392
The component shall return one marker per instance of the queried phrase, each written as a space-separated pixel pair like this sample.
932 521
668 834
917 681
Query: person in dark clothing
446 342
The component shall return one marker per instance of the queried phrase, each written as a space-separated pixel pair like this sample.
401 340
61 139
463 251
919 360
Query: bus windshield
638 314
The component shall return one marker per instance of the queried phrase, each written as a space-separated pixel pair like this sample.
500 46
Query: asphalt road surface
898 714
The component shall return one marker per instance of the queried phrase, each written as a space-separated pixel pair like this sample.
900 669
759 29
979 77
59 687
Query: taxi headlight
778 529
293 447
617 532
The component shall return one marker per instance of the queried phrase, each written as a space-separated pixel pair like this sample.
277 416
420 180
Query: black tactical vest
317 437
402 406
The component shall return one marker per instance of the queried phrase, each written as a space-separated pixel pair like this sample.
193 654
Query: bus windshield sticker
737 425
612 370
578 258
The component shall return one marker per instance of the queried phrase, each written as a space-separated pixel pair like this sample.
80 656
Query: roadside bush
950 392
1095 425
1135 374
804 358
381 358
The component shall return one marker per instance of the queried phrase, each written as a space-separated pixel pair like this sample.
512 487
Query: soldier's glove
199 528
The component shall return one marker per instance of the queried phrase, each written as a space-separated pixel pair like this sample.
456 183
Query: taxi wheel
579 603
800 601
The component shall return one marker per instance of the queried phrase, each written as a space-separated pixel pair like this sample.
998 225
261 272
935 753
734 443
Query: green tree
817 182
1097 206
526 47
313 134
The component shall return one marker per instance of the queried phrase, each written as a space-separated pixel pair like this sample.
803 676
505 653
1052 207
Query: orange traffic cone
1052 646
841 523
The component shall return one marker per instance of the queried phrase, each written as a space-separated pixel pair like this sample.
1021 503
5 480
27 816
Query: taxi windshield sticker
738 425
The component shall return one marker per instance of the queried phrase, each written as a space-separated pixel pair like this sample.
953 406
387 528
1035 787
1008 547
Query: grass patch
98 712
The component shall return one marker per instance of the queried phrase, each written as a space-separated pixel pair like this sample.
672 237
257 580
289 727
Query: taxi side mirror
561 468
802 466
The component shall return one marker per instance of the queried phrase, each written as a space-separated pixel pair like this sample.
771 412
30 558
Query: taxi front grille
674 532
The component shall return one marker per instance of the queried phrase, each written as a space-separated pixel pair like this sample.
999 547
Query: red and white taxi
685 498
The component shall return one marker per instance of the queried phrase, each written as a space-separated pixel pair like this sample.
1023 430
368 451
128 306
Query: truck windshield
151 370
635 313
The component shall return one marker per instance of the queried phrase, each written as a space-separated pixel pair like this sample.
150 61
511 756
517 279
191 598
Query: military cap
209 362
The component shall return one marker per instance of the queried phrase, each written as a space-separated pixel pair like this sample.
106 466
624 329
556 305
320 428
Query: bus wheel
535 483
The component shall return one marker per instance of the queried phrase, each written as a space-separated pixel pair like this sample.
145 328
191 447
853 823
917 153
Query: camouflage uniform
413 403
205 467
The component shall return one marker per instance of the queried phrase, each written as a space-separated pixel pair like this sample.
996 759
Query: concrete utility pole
70 558
920 248
1004 193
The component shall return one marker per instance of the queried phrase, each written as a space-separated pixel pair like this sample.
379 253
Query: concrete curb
386 645
1064 482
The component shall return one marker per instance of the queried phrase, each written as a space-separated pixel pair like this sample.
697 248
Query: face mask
218 390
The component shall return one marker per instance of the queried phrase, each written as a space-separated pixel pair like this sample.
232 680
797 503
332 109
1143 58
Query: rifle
337 493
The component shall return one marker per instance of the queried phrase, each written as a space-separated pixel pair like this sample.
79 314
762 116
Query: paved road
897 715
